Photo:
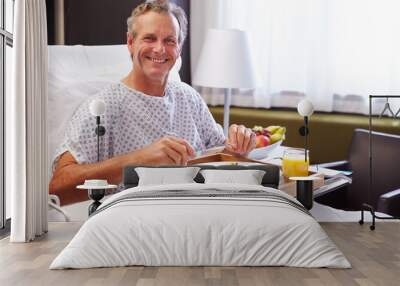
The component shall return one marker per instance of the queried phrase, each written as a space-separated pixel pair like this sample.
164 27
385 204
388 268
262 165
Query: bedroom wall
103 22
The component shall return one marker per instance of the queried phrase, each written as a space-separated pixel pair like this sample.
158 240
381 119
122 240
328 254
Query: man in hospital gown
149 120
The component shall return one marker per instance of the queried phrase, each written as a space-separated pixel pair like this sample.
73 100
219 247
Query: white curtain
26 123
335 53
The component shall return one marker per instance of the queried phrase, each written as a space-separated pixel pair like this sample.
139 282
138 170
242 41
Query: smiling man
154 41
149 120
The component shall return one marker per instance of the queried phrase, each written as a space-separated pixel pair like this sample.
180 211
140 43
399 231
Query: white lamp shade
97 107
225 61
305 108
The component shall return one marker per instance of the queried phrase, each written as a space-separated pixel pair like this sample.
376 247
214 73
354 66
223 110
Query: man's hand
168 150
241 140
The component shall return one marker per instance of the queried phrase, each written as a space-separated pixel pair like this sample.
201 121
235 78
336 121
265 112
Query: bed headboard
270 179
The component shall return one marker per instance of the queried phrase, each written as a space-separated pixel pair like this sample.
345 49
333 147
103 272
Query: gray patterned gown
134 119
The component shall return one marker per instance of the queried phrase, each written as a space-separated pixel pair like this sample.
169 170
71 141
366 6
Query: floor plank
374 255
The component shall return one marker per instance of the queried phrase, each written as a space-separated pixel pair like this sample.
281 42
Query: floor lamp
225 62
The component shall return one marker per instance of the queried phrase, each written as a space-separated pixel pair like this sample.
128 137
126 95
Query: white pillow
164 176
248 177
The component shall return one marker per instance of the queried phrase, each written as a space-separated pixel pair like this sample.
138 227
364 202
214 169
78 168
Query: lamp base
96 195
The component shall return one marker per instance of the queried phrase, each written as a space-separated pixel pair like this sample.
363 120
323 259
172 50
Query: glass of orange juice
294 163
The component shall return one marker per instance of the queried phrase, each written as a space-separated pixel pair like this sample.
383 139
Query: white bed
201 232
190 230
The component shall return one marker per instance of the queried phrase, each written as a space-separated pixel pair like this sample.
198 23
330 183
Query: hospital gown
133 120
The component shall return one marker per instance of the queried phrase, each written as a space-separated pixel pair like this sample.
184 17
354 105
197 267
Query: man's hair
160 6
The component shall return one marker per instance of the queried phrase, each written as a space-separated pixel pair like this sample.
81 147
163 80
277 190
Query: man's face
155 47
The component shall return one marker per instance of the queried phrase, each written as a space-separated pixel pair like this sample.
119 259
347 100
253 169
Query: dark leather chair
384 195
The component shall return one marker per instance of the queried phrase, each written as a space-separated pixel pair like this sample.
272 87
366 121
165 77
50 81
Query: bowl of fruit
267 140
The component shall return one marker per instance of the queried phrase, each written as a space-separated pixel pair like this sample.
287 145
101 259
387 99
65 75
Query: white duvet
206 230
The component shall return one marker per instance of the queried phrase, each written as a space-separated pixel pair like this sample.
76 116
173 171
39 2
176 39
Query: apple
262 141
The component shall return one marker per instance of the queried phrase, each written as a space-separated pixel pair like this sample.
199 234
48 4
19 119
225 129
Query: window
334 52
6 44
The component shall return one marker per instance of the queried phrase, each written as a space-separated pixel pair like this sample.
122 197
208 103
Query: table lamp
305 108
225 62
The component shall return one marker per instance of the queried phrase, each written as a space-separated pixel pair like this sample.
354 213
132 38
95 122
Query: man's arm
68 173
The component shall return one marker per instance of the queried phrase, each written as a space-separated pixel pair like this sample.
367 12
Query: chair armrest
337 165
389 203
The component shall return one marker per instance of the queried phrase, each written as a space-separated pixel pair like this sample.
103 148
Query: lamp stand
100 131
303 130
227 104
97 194
306 140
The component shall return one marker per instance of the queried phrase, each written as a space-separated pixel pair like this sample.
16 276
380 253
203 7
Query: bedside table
96 191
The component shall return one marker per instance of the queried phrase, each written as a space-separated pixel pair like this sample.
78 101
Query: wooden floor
374 255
